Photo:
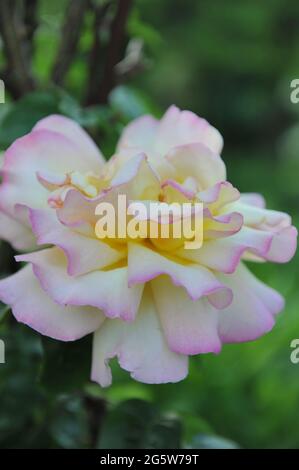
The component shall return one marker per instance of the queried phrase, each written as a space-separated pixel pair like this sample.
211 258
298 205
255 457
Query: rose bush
150 303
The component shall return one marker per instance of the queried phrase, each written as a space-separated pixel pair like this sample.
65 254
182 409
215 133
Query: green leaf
130 103
93 116
68 426
66 366
137 424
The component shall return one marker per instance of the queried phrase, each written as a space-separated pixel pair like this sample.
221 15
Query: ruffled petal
272 224
84 254
251 313
96 289
255 216
253 199
198 161
41 150
283 246
140 348
176 192
189 327
16 233
175 128
184 127
144 265
224 254
139 134
219 195
74 133
220 226
32 306
78 211
136 180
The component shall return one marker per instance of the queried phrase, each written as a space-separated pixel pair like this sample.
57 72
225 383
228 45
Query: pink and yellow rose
151 303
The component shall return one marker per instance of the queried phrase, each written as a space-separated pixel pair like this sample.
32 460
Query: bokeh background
231 62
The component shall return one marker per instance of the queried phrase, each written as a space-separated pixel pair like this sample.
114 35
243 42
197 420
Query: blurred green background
231 62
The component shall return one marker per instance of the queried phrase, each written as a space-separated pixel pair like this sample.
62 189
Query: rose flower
150 302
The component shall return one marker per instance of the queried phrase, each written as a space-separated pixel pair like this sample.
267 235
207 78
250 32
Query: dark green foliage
136 424
66 366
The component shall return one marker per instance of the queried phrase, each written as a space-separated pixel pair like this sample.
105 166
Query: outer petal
190 327
255 216
32 306
274 224
84 254
251 314
41 150
15 233
253 199
140 348
175 128
75 133
140 133
224 254
184 127
145 265
96 289
283 246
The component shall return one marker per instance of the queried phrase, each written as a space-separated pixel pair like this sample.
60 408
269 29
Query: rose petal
135 180
41 150
144 265
255 216
184 127
198 161
96 289
140 348
76 134
283 246
84 254
189 327
221 226
175 128
251 313
32 306
219 195
140 134
224 254
16 233
253 199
